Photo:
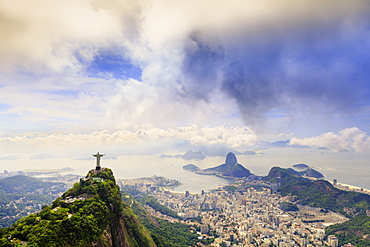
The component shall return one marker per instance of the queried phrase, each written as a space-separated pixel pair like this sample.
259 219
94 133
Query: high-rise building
320 234
304 241
332 241
277 220
187 193
249 238
204 229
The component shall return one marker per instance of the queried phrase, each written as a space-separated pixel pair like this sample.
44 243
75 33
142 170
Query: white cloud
285 135
55 38
57 101
192 133
54 35
61 35
349 138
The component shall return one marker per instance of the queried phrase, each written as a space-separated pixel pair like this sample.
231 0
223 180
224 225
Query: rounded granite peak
231 159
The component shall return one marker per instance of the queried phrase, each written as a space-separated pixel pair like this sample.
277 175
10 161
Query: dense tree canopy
79 217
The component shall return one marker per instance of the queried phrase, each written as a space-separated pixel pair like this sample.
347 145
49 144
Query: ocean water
169 168
348 168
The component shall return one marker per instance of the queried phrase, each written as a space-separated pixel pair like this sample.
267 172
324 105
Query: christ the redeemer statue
98 156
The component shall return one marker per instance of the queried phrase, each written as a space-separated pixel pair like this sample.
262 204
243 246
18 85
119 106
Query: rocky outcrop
230 169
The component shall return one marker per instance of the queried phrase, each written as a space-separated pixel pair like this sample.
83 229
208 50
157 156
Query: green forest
82 215
79 218
153 203
355 231
320 193
323 194
164 233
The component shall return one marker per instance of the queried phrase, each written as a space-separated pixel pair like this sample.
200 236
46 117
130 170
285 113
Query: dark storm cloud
323 66
201 67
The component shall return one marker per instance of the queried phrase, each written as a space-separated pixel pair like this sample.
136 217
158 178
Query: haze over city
275 82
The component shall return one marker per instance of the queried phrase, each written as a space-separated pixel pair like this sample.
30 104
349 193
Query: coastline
350 187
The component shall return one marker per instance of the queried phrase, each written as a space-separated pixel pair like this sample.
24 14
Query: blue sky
169 75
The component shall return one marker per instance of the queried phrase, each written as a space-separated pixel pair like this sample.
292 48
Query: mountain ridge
319 193
91 213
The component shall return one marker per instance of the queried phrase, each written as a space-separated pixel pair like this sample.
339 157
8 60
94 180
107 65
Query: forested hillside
355 231
90 213
323 194
319 193
164 233
21 195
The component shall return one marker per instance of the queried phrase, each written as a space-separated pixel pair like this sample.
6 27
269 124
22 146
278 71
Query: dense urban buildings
247 214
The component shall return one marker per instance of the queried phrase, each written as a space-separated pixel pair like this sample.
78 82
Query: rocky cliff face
231 159
231 168
89 214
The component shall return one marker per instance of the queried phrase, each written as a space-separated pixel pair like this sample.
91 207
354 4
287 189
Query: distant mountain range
200 155
189 155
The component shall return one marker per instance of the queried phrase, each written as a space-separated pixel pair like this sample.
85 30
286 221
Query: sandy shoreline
350 187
